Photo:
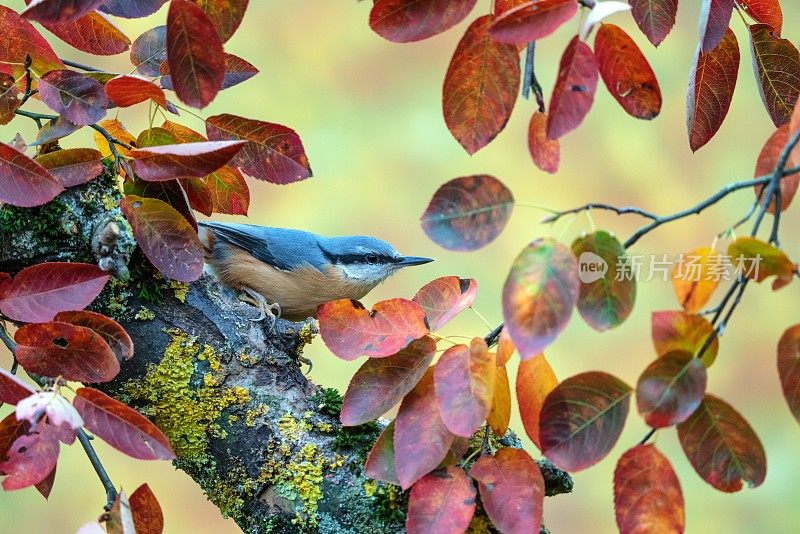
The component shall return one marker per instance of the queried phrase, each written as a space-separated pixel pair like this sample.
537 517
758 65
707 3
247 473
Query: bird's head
367 260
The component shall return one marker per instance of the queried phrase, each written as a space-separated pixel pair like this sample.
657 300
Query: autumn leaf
714 19
225 15
501 6
119 520
764 11
273 153
788 359
23 182
149 51
671 389
421 439
380 460
9 98
78 98
532 20
512 490
606 298
546 153
722 447
127 90
92 33
165 236
170 192
655 17
167 162
31 458
131 9
647 493
680 331
500 415
20 38
480 87
56 129
574 89
539 294
468 213
402 21
505 347
441 502
59 10
12 390
757 260
776 63
695 277
768 159
237 70
122 427
582 419
147 515
111 331
444 298
40 291
626 73
350 330
464 378
535 381
383 382
10 430
194 53
711 85
60 349
73 166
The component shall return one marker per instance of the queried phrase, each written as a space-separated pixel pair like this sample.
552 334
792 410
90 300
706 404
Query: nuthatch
291 272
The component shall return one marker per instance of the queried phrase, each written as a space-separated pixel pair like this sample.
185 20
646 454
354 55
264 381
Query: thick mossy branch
263 442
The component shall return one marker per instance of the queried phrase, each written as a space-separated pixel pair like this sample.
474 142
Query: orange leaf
500 414
92 33
505 347
119 132
535 381
546 153
147 515
21 38
680 331
574 89
501 6
442 502
788 360
758 261
73 166
444 298
647 494
671 389
402 21
768 160
764 11
776 63
126 90
695 277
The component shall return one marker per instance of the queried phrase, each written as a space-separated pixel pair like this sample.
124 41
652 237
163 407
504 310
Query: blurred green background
369 114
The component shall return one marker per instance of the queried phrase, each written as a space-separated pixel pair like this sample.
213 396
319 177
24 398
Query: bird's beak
413 260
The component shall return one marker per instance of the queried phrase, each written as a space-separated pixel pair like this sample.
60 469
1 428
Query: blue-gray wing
282 248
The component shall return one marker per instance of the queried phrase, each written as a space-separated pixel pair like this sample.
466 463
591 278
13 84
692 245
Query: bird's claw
265 308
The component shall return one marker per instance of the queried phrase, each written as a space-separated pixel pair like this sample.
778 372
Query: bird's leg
266 309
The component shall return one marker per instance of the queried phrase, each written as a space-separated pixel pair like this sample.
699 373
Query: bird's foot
265 308
303 360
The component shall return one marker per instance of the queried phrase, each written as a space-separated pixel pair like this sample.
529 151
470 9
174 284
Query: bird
289 273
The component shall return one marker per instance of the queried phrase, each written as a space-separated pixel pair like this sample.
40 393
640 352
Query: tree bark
262 441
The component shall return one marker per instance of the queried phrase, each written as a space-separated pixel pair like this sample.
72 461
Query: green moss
328 402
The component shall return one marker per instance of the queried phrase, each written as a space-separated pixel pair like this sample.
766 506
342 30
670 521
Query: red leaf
500 415
402 21
421 439
546 153
582 419
535 381
273 153
722 447
626 73
768 160
380 461
167 162
194 53
764 11
788 359
92 33
647 494
655 17
131 9
59 10
671 389
237 70
225 15
680 331
350 331
512 490
501 6
165 236
468 213
532 20
23 182
170 192
198 194
126 90
539 294
12 389
21 38
9 98
480 87
147 515
61 349
10 430
711 86
149 51
573 93
55 129
31 458
46 486
73 166
714 20
78 98
383 382
444 298
464 378
122 427
39 292
106 327
776 63
442 502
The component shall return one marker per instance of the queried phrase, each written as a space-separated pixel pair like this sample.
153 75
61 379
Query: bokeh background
369 114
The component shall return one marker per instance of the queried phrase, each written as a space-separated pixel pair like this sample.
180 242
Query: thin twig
647 436
28 81
491 337
111 491
530 81
81 66
601 206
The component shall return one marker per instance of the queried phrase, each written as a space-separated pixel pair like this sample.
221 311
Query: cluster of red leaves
169 171
63 342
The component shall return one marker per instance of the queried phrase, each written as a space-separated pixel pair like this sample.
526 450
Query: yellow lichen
248 359
304 476
109 202
252 415
479 525
324 427
144 314
369 488
181 289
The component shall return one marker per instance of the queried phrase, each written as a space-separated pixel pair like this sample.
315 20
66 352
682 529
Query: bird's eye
372 259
